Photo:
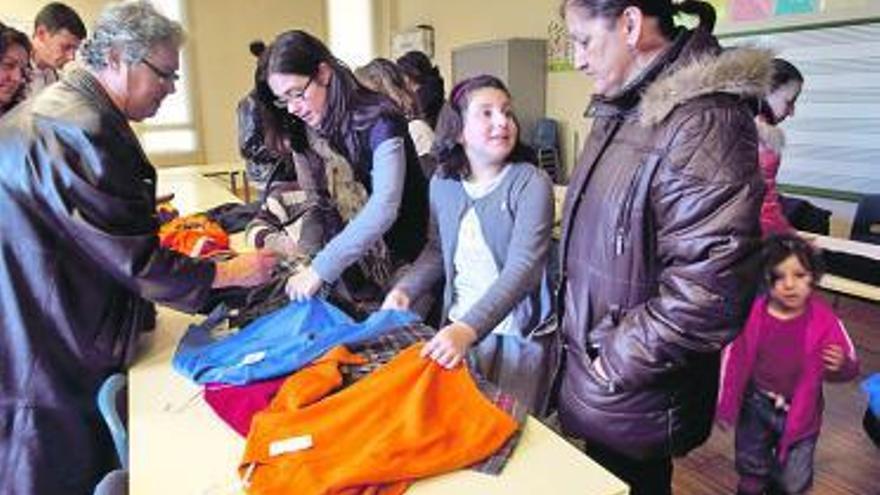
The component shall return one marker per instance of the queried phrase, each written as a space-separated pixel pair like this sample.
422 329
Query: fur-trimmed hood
693 66
740 71
770 135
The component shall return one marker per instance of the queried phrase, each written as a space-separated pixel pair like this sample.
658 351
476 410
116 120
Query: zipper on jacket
624 219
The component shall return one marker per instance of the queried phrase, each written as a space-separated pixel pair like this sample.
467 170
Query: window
351 34
172 130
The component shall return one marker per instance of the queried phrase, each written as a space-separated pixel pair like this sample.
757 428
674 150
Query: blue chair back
109 395
546 134
866 224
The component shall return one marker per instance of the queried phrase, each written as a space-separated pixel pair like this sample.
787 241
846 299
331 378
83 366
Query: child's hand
833 358
449 346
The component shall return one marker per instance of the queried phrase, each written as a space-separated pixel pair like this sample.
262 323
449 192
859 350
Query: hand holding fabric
303 285
449 347
245 270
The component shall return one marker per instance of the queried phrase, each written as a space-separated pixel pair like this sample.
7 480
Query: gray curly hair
133 27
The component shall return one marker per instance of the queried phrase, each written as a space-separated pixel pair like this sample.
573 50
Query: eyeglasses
284 101
161 74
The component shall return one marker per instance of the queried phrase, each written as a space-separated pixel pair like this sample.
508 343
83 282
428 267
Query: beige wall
219 33
461 22
221 66
26 10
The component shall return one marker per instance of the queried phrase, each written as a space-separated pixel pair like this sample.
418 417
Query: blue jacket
276 344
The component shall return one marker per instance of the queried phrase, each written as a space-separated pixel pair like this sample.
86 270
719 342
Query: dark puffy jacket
79 255
660 232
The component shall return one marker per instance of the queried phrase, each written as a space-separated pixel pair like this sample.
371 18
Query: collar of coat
85 82
693 66
771 135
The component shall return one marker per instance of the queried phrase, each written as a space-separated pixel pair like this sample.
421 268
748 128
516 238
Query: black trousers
652 477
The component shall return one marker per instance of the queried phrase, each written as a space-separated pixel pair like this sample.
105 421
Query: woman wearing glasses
356 154
15 52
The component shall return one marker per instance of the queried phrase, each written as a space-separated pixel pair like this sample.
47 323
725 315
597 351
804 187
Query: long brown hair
384 76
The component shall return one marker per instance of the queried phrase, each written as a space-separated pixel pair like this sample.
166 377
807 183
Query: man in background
58 32
81 259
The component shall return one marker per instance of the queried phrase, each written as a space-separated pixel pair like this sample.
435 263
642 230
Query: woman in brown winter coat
659 228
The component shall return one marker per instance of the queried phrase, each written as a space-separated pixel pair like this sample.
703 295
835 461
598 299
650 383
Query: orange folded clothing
409 419
194 235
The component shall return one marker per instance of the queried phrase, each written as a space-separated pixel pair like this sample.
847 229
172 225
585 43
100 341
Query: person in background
15 49
58 32
378 187
771 380
264 130
81 255
425 81
660 231
772 110
384 76
491 217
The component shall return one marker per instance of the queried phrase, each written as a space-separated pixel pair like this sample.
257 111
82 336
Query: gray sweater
516 220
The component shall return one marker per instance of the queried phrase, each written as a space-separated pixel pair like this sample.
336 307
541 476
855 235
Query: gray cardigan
516 220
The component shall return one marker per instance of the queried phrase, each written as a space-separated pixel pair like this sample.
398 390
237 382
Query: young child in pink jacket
772 374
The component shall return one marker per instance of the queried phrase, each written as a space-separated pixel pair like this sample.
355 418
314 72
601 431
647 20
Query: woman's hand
245 270
449 347
303 285
396 299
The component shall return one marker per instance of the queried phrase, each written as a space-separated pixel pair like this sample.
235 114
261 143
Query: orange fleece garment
194 235
409 419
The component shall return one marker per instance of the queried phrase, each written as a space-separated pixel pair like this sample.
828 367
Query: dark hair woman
773 109
15 56
425 81
386 77
264 131
660 231
387 198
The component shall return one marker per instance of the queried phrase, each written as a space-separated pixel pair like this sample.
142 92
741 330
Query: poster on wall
750 10
559 49
785 7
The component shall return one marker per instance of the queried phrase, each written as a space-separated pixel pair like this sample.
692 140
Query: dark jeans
758 432
652 477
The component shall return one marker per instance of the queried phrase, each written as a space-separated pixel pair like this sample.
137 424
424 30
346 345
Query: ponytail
705 11
663 10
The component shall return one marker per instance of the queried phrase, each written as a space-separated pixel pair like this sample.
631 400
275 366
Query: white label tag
289 445
252 358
